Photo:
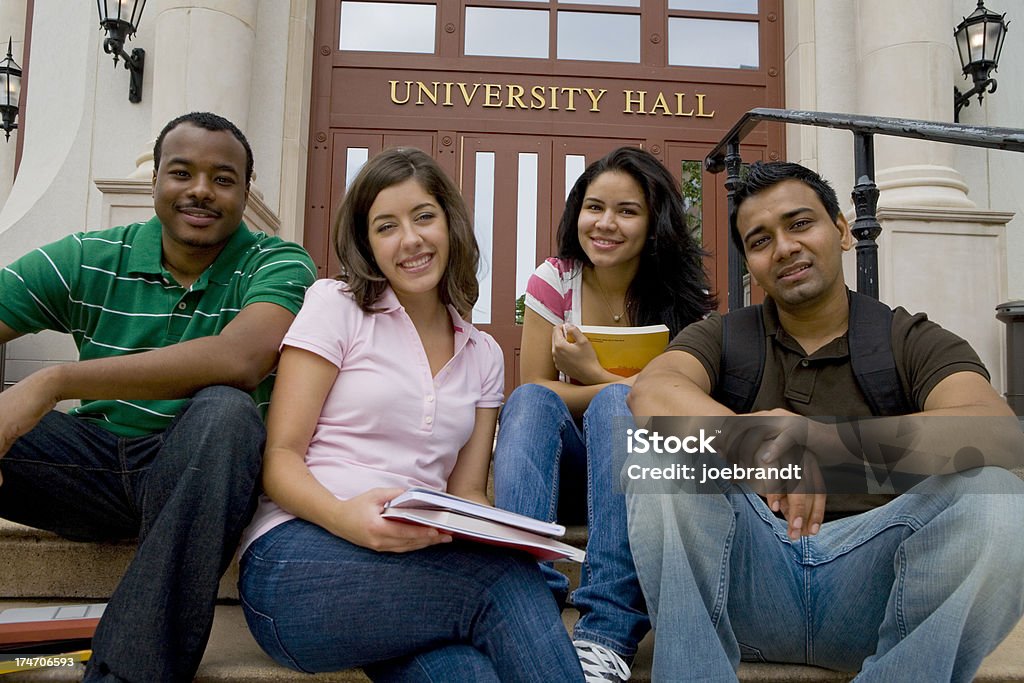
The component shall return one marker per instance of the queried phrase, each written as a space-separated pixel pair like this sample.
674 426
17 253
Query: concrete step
39 564
36 564
233 657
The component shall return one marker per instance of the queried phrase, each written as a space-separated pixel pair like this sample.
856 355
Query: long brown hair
458 285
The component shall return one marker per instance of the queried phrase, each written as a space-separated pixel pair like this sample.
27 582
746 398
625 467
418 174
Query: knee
610 402
988 505
534 403
228 406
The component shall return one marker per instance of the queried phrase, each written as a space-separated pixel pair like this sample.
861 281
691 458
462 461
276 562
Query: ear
152 187
846 239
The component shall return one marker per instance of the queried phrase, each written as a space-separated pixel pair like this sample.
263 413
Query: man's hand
24 405
787 438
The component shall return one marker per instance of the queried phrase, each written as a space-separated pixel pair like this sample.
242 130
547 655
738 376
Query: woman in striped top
625 258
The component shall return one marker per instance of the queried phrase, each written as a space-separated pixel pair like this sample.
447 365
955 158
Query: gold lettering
492 95
662 104
700 107
594 99
537 97
431 95
554 96
515 94
448 94
630 101
572 92
394 92
679 105
468 97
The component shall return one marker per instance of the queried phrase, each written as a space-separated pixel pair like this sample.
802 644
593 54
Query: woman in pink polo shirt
382 385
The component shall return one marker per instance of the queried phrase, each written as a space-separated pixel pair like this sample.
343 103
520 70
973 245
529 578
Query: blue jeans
186 493
919 589
451 612
547 468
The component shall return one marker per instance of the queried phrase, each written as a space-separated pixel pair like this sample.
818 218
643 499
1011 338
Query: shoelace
599 663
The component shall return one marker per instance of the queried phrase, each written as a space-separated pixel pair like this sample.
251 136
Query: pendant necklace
615 316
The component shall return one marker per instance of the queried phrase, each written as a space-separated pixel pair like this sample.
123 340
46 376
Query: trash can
1012 313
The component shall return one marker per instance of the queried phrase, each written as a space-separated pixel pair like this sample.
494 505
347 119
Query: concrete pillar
906 62
12 24
201 61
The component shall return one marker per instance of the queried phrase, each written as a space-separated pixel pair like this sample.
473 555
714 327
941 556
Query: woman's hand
358 520
574 356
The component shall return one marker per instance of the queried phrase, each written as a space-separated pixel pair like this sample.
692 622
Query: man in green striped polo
177 323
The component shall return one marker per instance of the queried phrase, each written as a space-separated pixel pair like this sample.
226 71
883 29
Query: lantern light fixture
120 19
979 42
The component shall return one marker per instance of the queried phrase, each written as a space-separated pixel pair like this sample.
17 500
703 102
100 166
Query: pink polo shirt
386 422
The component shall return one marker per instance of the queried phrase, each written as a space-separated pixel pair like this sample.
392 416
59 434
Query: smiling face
408 233
199 189
612 224
793 248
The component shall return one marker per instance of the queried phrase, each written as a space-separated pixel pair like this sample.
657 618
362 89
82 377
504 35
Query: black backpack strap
742 364
871 355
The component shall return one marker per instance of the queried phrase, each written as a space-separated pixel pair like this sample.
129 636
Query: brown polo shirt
823 383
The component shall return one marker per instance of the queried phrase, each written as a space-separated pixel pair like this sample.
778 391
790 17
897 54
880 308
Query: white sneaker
600 664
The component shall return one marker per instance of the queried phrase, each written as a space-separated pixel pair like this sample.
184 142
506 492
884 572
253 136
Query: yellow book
626 350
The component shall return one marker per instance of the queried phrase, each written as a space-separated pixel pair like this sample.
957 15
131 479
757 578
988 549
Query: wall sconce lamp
979 41
120 25
10 91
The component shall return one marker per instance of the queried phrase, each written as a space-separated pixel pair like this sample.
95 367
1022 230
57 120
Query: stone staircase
38 568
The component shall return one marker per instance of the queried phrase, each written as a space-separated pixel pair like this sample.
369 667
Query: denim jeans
544 467
919 589
453 612
186 493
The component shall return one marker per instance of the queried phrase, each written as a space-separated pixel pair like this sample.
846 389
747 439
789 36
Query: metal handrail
726 157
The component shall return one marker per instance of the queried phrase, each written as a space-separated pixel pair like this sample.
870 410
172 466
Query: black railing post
733 163
865 226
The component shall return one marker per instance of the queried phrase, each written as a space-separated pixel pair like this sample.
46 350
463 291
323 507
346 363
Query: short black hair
207 121
764 175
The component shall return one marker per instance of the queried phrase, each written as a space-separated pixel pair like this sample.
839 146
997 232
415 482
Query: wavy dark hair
351 229
671 286
764 175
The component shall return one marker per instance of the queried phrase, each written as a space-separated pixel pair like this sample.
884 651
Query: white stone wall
240 58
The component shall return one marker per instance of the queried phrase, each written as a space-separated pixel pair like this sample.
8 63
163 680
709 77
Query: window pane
497 32
599 37
740 6
615 3
483 226
355 157
387 27
712 42
575 164
693 195
526 221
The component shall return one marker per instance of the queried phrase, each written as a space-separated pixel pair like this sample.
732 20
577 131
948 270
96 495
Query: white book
486 531
428 499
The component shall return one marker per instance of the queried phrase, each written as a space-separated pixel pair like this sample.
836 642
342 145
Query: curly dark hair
351 230
671 286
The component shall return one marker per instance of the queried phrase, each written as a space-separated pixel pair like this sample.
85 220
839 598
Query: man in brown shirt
921 587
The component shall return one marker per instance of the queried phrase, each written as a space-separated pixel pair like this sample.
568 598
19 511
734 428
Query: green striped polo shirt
109 290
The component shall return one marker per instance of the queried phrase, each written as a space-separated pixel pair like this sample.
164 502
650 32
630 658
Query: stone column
906 63
201 61
938 252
